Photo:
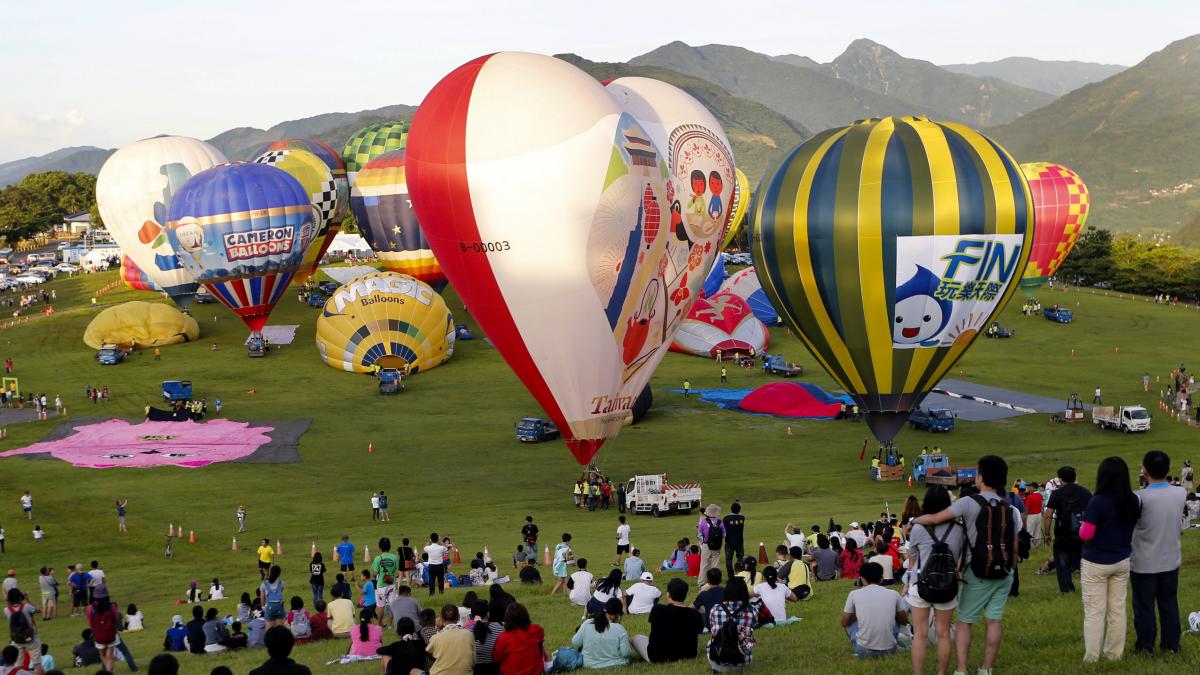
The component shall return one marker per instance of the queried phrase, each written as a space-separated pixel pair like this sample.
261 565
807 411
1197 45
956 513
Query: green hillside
759 134
1133 138
332 128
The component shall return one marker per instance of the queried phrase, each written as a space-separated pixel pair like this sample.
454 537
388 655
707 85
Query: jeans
437 578
733 552
318 593
124 649
864 653
1066 561
1161 588
1103 607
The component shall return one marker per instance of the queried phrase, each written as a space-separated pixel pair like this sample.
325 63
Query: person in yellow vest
687 388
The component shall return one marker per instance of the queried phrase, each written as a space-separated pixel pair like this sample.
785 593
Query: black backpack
726 645
20 628
715 538
991 554
937 581
1072 519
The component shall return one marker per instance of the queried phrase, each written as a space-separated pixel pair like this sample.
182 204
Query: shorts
348 567
264 565
49 596
79 599
105 645
381 596
274 611
622 548
986 596
916 601
33 649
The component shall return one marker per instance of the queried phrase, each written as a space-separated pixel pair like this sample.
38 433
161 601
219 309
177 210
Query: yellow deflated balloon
741 203
385 319
137 325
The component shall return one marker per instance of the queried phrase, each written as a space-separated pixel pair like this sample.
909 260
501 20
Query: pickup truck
1059 314
109 355
932 420
1126 418
776 365
536 430
177 390
652 494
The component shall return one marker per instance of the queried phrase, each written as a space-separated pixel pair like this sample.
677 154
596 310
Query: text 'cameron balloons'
886 245
1060 208
385 319
242 230
134 277
370 142
386 220
741 204
316 178
576 221
133 194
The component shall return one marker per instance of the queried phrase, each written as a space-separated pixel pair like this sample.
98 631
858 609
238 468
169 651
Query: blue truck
933 420
177 390
110 355
1058 314
536 430
775 364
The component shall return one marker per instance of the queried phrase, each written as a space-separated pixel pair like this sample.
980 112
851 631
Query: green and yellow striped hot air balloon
370 142
887 245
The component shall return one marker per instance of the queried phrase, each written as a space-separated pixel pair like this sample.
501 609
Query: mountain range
1131 133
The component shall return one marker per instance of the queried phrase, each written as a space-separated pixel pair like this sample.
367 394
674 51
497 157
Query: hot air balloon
135 278
337 167
723 323
138 325
746 286
1060 208
386 220
741 204
577 221
133 193
322 188
385 319
370 142
716 277
886 245
242 230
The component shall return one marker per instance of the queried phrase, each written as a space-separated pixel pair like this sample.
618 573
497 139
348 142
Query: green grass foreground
446 453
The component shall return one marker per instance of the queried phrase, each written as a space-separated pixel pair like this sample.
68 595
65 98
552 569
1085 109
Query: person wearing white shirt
640 597
622 540
859 537
792 536
774 594
580 586
437 565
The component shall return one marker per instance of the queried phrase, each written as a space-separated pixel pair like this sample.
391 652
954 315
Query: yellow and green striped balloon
370 142
888 245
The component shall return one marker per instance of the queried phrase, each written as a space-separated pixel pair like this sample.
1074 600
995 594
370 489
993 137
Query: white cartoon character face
190 234
918 319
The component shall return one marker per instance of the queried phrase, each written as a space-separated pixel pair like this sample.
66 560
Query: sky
81 72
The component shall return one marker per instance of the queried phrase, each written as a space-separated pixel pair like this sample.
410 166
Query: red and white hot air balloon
576 220
726 323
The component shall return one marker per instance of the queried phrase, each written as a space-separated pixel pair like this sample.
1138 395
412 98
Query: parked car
30 279
65 268
203 296
536 430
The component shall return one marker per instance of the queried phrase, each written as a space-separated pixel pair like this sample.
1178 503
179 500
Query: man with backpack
711 532
1065 509
991 528
22 629
383 508
386 566
796 574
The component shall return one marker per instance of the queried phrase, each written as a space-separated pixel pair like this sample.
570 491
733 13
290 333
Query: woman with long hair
850 561
1107 534
608 588
912 509
920 546
774 594
366 639
485 632
270 595
520 649
603 641
102 620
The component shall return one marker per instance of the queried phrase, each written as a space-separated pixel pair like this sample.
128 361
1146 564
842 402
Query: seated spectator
873 615
257 629
216 635
796 574
244 609
485 632
176 637
641 597
9 657
520 557
737 608
693 561
529 574
216 591
340 613
407 653
579 584
519 649
237 637
427 622
341 586
602 640
634 567
47 660
404 605
367 637
452 648
674 628
773 594
710 595
609 588
134 619
850 561
195 631
883 558
748 571
279 643
464 610
678 560
498 600
298 620
86 653
193 594
164 664
320 622
824 559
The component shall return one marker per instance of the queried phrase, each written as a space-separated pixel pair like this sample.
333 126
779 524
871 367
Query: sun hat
646 576
177 620
712 511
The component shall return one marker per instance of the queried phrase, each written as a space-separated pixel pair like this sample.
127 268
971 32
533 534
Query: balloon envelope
386 220
242 230
576 221
886 245
741 204
133 194
1060 206
138 325
135 278
316 178
370 142
746 286
388 319
722 323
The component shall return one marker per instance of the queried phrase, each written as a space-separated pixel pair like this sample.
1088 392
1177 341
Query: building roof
81 217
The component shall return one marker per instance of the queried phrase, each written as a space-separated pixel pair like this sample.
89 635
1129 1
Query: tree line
1131 265
42 200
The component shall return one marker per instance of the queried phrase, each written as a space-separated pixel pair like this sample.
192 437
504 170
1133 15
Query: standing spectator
270 596
23 631
1187 475
2 539
1107 531
121 505
735 541
562 558
10 581
1033 514
95 579
873 615
157 354
621 497
735 607
1065 509
27 505
279 643
529 536
437 566
345 552
49 588
1154 565
711 532
452 648
266 555
920 548
374 506
383 508
1096 397
519 649
241 510
77 582
316 577
8 365
622 540
102 619
986 583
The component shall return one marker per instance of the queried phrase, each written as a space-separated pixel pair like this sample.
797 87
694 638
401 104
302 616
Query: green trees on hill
1133 265
42 200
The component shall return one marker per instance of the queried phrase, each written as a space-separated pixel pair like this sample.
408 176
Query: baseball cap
853 525
646 576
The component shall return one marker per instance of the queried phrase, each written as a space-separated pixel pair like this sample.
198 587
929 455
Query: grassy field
446 454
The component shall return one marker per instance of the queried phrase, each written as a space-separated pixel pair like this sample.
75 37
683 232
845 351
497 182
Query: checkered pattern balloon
1060 204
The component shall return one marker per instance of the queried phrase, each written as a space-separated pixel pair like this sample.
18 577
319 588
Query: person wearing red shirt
693 561
520 649
1033 513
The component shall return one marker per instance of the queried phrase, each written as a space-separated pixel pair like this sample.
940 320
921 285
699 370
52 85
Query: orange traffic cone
457 560
278 547
191 536
370 448
546 556
313 551
366 554
910 481
487 555
170 529
234 547
762 553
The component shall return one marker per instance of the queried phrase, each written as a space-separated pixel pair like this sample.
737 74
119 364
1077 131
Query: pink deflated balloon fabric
117 443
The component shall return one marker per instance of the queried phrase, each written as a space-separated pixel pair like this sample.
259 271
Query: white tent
346 243
98 258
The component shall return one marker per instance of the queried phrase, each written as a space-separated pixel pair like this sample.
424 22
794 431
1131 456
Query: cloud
31 135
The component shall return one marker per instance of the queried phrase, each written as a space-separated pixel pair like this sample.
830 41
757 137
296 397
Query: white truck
654 495
1126 418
